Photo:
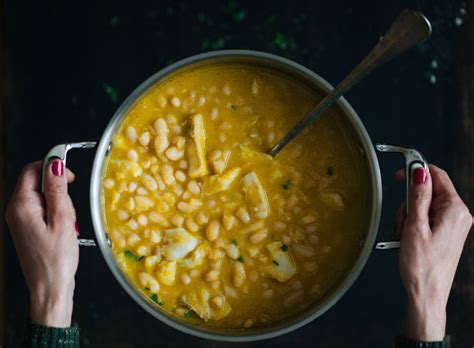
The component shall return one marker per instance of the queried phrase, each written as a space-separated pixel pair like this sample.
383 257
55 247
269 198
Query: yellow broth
208 227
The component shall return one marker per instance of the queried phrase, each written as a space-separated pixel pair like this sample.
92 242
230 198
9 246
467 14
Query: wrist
53 309
425 320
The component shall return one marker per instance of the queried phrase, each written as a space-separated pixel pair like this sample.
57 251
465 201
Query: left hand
43 230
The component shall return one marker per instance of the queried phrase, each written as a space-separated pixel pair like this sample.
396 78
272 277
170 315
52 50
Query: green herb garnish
240 259
233 241
286 185
330 171
155 299
129 255
233 107
284 247
188 314
276 263
111 92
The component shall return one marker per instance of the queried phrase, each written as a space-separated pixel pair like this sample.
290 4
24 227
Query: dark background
70 64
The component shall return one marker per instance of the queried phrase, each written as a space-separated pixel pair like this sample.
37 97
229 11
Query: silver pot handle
60 151
413 159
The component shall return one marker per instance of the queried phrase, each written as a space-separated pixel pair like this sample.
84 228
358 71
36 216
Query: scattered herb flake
240 259
154 298
284 247
233 107
240 16
147 289
233 241
330 171
128 254
111 92
276 263
286 185
114 21
188 314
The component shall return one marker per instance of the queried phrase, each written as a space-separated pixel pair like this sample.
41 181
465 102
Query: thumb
55 193
419 198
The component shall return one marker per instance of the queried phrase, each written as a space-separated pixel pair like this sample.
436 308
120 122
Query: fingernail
76 228
419 176
57 167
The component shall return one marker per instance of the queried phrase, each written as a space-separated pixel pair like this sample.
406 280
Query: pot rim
98 220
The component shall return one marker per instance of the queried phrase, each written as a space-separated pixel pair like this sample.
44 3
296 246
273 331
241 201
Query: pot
412 157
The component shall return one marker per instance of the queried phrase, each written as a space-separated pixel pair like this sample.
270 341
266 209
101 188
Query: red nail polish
57 167
419 176
76 229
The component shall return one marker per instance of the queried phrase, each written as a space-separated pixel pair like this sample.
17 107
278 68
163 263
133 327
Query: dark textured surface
71 64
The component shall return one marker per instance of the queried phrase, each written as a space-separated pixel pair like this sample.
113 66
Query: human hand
43 230
432 236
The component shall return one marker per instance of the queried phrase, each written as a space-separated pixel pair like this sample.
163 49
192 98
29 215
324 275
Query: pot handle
413 159
60 151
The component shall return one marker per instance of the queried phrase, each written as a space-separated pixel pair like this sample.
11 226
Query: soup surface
209 228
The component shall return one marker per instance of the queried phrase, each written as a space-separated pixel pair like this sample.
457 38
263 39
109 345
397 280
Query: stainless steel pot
412 157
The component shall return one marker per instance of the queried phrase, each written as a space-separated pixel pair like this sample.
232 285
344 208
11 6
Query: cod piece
198 301
220 182
255 195
195 149
282 266
179 243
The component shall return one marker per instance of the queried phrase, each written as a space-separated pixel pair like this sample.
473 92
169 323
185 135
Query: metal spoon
410 28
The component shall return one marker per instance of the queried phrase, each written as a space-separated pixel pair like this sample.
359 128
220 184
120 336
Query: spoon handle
410 28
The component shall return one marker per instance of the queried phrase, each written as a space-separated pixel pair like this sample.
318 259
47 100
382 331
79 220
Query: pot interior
357 143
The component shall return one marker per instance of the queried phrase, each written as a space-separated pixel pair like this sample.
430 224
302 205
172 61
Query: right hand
432 236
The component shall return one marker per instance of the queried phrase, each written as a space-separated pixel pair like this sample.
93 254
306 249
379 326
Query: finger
400 216
400 174
70 176
29 179
419 197
442 184
55 192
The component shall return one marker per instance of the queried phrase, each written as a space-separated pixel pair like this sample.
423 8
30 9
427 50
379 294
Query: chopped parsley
129 255
233 107
111 92
330 171
286 185
233 241
188 314
240 259
284 247
276 263
155 299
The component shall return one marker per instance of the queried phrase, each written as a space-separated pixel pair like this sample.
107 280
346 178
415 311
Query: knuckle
56 188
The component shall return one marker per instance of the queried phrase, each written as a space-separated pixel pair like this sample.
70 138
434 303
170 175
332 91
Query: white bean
149 182
155 236
228 221
147 281
161 127
201 101
177 220
183 164
191 224
310 266
180 175
143 250
248 324
132 155
217 302
213 230
201 218
133 239
174 154
176 102
226 90
308 219
214 154
211 275
161 143
243 215
131 134
303 250
109 183
144 138
279 226
214 113
238 274
232 251
142 220
122 215
167 173
185 278
268 293
292 298
193 187
258 236
185 207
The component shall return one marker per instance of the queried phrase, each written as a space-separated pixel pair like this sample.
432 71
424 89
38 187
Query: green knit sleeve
404 342
38 336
